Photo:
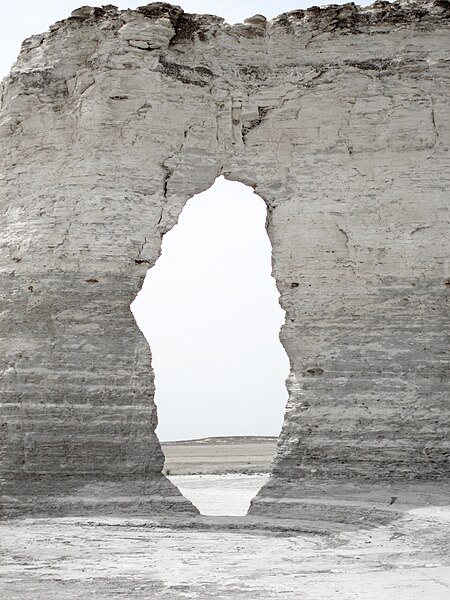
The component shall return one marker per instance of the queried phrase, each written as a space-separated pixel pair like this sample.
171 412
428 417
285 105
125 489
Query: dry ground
75 559
225 558
219 455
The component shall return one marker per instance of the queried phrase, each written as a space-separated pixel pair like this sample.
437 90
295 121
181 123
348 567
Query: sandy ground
224 495
219 455
224 558
221 557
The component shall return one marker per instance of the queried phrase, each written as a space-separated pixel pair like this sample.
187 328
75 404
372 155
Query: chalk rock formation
339 118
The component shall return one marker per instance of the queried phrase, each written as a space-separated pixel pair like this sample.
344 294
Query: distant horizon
221 437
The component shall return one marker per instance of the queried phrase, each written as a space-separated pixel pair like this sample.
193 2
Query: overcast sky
210 310
210 306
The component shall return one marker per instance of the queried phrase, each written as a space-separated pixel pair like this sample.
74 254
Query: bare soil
219 455
226 557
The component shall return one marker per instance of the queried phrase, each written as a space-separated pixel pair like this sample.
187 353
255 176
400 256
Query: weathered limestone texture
339 118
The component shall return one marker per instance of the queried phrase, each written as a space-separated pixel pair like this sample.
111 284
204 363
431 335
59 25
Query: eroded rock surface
339 118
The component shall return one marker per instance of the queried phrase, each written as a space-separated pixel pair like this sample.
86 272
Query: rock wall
339 118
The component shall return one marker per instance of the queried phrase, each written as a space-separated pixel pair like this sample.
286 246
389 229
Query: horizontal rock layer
339 118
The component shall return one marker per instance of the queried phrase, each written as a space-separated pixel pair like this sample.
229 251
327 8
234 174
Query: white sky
209 307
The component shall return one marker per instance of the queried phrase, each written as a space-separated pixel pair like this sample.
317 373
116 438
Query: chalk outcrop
339 118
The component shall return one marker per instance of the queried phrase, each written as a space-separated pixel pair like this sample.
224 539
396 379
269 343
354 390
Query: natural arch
210 312
109 123
209 309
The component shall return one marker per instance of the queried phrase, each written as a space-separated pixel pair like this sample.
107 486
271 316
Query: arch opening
210 312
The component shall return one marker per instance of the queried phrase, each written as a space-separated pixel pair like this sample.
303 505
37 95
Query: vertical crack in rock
236 121
433 120
253 123
345 236
166 179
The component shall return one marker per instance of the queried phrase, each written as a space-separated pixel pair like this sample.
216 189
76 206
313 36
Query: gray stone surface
339 118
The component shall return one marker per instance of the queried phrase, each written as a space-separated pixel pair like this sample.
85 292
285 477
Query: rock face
339 118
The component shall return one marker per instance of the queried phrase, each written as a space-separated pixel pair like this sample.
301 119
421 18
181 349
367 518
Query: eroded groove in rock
110 122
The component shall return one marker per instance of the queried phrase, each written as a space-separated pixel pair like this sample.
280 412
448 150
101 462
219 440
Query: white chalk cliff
339 118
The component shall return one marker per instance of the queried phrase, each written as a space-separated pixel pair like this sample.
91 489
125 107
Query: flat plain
219 455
